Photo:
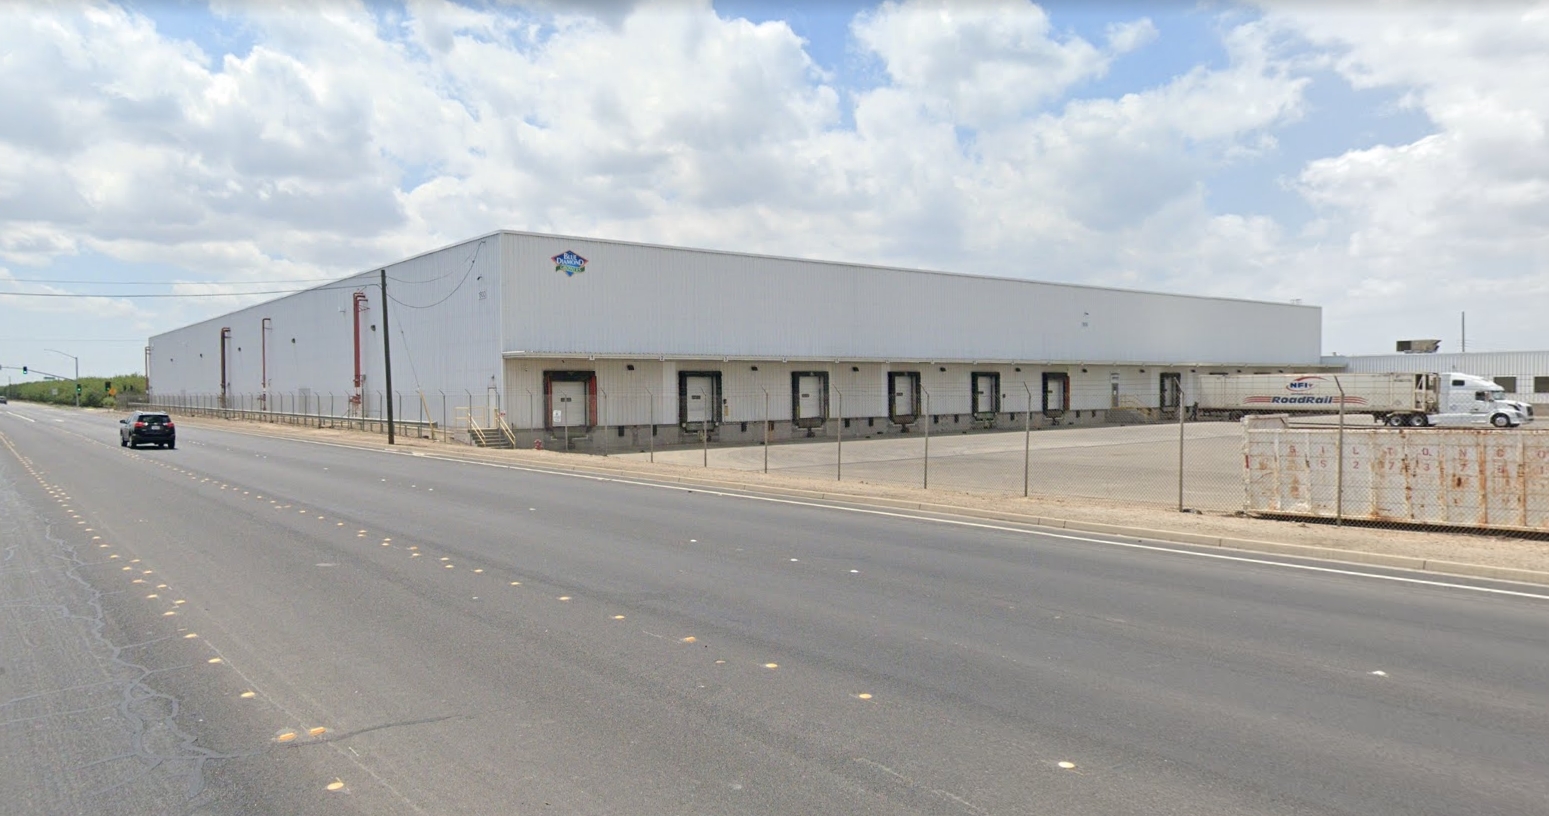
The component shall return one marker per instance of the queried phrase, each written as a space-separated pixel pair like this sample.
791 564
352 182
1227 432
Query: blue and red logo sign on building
569 263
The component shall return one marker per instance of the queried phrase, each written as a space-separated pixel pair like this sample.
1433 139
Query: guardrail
424 429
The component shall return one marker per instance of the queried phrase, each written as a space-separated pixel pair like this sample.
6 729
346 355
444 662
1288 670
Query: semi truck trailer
1399 399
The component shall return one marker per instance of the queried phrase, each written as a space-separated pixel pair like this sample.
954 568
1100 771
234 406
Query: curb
1438 567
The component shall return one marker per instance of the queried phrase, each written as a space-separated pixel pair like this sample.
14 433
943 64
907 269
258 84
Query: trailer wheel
1395 420
1501 421
1417 421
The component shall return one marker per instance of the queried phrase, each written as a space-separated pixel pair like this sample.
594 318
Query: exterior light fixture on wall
855 368
754 368
629 367
943 368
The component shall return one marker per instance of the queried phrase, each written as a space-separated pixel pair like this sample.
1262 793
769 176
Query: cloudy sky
1390 165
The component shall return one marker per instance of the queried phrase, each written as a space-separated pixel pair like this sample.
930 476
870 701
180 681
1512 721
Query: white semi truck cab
1464 399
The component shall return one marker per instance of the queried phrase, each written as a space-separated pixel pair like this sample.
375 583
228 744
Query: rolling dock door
699 399
571 398
1056 394
903 396
986 394
809 398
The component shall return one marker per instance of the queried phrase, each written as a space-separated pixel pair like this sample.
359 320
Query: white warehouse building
556 335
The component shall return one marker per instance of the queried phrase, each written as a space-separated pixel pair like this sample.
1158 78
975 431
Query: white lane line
954 522
19 416
1023 530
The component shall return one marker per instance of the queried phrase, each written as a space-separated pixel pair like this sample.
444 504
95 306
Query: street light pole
77 374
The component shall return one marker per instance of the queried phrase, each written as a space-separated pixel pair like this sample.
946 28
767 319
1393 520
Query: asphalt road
248 625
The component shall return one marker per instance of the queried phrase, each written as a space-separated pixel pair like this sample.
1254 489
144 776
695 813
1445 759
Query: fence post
1180 446
839 436
651 396
446 421
1027 440
767 423
928 419
704 436
1339 477
602 420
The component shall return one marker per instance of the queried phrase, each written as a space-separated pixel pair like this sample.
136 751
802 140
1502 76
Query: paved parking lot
1132 463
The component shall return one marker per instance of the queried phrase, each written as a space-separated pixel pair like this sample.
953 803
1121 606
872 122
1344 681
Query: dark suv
147 427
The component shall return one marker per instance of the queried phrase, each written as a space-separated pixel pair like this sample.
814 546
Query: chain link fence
1103 445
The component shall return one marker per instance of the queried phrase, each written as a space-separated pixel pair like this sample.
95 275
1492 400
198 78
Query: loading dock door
809 398
698 399
1056 394
986 394
569 403
1172 391
903 396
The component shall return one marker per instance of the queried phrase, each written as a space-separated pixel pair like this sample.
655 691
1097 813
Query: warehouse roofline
335 283
879 267
743 358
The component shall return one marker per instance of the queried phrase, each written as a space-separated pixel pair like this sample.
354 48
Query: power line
472 261
70 340
121 296
164 283
131 296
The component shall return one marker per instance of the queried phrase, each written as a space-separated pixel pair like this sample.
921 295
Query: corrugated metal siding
445 336
1524 365
634 299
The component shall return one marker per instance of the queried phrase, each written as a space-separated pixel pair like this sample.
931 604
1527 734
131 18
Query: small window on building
1541 385
1508 383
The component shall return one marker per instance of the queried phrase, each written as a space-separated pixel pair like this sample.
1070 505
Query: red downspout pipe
360 306
225 340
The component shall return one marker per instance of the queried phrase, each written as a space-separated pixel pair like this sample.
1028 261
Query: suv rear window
163 418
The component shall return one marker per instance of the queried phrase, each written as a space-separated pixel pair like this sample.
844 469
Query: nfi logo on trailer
1303 384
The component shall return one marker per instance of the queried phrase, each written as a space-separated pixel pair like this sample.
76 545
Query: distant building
1524 374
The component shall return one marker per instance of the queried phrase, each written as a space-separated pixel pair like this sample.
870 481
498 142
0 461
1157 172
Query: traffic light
24 369
107 385
77 389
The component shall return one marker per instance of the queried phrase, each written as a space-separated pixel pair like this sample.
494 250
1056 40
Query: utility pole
77 374
387 359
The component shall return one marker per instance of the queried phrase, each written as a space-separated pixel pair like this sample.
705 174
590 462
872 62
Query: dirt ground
1488 549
